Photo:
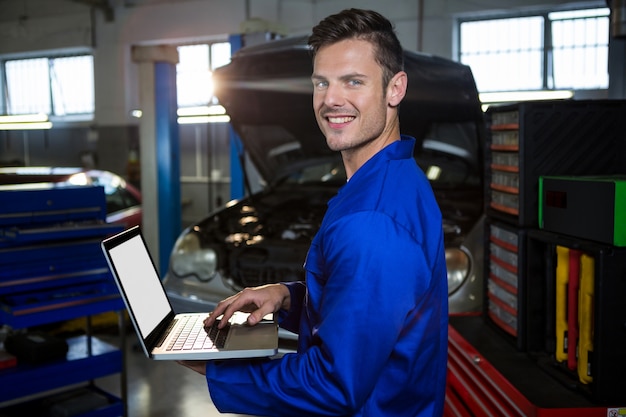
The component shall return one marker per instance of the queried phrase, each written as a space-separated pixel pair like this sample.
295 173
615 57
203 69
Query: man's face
349 100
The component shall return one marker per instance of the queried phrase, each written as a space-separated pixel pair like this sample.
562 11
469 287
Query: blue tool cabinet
52 270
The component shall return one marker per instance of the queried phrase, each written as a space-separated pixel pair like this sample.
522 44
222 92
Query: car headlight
190 259
458 264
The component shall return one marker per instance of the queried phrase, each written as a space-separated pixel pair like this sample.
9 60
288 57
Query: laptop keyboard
192 335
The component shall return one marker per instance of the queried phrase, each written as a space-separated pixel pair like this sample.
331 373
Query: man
372 314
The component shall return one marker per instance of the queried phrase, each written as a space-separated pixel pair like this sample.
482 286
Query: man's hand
258 301
198 366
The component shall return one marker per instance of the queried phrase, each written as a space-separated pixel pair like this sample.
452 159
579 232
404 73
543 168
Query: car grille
277 263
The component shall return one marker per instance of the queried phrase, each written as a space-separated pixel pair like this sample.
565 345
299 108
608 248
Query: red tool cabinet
487 376
529 352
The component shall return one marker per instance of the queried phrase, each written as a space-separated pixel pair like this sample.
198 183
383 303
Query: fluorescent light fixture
514 96
201 111
194 112
24 118
203 119
25 121
25 126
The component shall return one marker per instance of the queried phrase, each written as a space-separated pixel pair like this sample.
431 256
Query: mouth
338 121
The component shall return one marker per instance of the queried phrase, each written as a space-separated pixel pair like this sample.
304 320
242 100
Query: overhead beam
103 5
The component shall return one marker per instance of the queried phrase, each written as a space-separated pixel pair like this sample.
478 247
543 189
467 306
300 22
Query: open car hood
264 237
267 92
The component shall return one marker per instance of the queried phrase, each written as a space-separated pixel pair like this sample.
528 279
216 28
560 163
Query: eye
320 84
355 83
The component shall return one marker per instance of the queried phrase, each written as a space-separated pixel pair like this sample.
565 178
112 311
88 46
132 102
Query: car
123 200
264 237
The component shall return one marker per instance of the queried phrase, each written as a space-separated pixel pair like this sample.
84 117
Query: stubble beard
346 142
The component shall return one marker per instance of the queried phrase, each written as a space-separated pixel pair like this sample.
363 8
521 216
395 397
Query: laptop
156 324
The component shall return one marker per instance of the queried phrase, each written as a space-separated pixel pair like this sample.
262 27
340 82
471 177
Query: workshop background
110 50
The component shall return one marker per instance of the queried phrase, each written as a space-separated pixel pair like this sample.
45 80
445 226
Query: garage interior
554 191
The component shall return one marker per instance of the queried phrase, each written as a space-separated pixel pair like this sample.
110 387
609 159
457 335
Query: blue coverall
372 314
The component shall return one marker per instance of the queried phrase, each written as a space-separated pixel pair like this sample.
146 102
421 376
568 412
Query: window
557 50
194 69
580 49
56 86
63 86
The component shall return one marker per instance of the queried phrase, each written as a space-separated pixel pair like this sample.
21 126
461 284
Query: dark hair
366 25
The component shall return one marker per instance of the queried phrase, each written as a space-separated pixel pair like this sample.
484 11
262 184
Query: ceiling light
201 111
203 119
514 96
25 121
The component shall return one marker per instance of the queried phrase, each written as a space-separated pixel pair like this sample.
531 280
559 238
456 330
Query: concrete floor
154 388
160 388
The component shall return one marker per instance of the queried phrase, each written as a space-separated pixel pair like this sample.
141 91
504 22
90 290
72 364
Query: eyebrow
345 77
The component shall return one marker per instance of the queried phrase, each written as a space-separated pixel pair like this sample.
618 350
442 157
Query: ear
396 89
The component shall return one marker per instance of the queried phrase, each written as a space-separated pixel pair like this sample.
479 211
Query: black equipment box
588 207
36 347
548 138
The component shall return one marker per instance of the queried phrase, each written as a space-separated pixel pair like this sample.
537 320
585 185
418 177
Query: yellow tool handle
585 318
562 277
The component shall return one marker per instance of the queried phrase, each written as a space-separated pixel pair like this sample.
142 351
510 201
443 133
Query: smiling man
372 313
356 106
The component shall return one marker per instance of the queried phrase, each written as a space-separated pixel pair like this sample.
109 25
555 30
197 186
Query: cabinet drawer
487 376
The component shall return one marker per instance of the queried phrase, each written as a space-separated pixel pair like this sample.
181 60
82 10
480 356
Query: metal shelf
80 365
45 308
51 271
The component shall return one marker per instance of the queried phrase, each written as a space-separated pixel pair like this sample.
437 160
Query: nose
333 96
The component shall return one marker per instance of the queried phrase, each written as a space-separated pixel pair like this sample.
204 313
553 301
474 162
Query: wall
28 27
39 25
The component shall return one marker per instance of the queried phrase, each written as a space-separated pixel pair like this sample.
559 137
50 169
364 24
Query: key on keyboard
192 335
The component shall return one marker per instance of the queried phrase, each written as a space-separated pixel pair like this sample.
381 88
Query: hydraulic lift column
159 150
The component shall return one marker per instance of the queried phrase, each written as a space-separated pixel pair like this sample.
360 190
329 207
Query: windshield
450 155
320 172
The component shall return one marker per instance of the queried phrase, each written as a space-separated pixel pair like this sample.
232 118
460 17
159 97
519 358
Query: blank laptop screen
141 284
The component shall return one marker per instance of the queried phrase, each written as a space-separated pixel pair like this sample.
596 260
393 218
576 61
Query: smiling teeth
340 119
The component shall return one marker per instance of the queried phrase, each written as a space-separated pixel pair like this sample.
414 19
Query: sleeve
290 320
358 316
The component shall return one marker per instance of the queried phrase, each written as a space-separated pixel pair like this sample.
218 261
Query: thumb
255 317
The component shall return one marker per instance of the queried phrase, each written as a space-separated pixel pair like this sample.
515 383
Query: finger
239 303
197 366
219 310
208 322
257 315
